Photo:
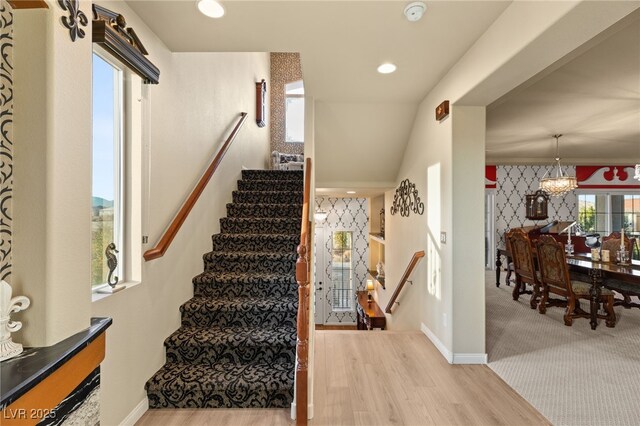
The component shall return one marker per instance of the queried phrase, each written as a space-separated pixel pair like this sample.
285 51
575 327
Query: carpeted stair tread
269 185
259 226
273 197
241 345
277 175
223 385
239 261
239 311
261 210
255 243
244 284
243 278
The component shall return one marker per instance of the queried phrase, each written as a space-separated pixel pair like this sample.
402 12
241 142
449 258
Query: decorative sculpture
8 305
112 263
406 200
75 20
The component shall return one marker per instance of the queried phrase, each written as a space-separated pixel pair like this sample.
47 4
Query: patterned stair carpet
236 345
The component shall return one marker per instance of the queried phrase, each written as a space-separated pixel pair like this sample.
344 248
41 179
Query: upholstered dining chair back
553 266
522 255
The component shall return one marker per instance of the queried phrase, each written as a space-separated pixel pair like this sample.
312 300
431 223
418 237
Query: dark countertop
22 373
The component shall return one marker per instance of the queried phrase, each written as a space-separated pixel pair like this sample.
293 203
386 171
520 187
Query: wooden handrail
414 261
168 236
303 272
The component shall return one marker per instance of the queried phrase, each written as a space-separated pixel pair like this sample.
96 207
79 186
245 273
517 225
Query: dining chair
555 279
612 243
524 265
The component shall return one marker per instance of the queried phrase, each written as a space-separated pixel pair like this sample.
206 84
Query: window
294 112
107 180
605 212
342 271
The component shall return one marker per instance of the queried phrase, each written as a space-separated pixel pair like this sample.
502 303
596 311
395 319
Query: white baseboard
446 353
469 358
452 358
309 411
136 413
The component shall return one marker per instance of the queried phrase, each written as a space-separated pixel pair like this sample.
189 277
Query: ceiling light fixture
414 11
561 183
386 68
211 8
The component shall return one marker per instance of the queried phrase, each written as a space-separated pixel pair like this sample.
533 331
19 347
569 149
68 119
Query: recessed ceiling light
387 68
211 8
351 192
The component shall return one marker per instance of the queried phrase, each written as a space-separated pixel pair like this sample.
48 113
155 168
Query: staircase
237 342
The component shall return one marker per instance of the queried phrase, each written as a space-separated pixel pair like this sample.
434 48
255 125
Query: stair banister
405 277
303 274
168 236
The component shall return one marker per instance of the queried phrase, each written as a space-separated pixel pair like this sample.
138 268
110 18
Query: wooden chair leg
516 288
568 314
534 296
542 306
611 316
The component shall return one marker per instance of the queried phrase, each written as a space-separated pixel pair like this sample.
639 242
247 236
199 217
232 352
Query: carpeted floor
572 375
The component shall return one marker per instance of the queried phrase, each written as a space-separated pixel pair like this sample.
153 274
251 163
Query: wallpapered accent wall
513 183
6 138
344 214
285 68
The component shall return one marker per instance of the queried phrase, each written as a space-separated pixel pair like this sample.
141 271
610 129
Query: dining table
598 273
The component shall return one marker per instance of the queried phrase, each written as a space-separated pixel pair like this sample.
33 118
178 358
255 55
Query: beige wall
445 159
185 119
285 68
52 132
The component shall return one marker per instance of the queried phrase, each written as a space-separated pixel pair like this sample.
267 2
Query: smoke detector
414 11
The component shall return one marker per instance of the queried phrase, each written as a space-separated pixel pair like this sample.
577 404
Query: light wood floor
383 378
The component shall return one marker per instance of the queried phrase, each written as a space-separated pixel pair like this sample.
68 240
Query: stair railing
171 232
405 277
303 274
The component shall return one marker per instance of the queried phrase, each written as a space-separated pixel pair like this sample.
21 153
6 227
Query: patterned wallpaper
285 68
513 184
345 214
6 137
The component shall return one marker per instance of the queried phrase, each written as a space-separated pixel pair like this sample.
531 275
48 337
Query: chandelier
637 176
560 184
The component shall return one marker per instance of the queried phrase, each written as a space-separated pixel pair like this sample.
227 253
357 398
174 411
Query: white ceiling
363 118
593 99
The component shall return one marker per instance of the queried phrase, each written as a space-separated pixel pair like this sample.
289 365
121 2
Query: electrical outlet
145 239
443 237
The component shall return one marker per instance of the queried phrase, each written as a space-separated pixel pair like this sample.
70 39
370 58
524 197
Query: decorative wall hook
75 19
406 200
8 305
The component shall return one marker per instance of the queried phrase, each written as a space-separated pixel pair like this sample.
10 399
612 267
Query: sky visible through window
103 129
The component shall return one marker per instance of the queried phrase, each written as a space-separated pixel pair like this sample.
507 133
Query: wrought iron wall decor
382 222
406 200
75 19
111 32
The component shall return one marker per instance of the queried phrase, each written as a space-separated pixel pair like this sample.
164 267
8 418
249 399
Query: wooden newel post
302 348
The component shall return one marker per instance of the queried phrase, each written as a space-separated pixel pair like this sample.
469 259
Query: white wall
186 119
444 164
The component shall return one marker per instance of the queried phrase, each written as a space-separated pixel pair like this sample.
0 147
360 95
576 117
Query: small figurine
112 263
8 305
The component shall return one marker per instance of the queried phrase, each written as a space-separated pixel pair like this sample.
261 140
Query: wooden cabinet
369 314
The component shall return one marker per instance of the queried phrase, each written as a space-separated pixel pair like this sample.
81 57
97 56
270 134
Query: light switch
443 237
